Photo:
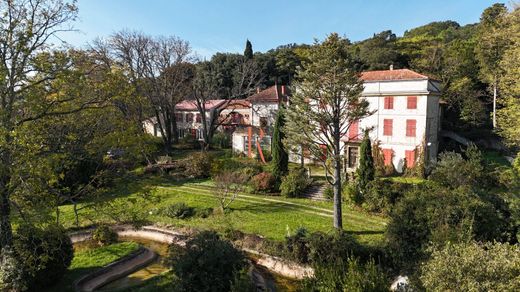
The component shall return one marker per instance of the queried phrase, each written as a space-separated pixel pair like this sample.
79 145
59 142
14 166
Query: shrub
296 246
347 275
328 192
204 212
45 254
263 182
12 276
164 159
206 263
221 140
179 211
295 183
473 267
325 248
189 141
250 171
430 214
382 194
198 165
104 235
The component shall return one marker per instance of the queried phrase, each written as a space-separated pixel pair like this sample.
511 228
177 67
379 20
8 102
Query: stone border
80 283
274 264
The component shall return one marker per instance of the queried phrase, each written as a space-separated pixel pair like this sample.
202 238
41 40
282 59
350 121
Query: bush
382 194
328 192
104 235
45 254
198 165
204 212
206 263
250 171
473 267
347 275
189 141
295 183
12 276
430 214
179 211
263 182
221 140
296 246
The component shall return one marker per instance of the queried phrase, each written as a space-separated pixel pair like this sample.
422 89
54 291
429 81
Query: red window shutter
193 132
411 126
353 131
387 127
389 102
412 102
410 158
387 154
323 148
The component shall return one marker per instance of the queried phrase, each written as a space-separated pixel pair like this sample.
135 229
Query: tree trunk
338 219
494 104
6 233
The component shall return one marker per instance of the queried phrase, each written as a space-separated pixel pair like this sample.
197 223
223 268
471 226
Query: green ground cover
269 216
88 258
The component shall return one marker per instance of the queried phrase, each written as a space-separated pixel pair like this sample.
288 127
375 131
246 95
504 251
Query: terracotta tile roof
239 103
270 94
390 75
191 105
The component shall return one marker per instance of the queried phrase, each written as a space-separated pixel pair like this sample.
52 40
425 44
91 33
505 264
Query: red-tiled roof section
390 75
191 105
270 94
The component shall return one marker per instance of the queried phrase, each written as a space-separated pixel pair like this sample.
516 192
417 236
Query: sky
224 25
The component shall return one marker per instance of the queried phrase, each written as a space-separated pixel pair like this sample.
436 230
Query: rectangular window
387 154
389 102
263 122
411 102
199 134
353 154
353 131
410 158
189 118
181 133
246 143
387 127
178 117
411 126
198 118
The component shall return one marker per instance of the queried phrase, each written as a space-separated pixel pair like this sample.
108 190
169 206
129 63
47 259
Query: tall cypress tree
248 52
280 161
366 170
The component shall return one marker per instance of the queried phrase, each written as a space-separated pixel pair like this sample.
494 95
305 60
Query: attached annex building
406 118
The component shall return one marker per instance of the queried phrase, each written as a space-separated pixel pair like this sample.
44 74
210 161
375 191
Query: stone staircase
315 191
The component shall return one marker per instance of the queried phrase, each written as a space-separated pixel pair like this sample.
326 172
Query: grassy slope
271 217
88 260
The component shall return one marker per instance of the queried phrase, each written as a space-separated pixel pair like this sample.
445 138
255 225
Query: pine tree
248 52
280 161
326 101
366 170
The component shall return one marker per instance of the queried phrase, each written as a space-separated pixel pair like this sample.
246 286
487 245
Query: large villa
406 118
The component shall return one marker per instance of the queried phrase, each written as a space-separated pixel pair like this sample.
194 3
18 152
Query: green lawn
268 216
87 260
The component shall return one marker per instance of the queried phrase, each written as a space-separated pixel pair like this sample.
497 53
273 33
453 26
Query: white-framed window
246 143
199 135
181 132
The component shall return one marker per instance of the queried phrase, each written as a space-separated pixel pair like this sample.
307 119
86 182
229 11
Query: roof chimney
391 67
283 90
